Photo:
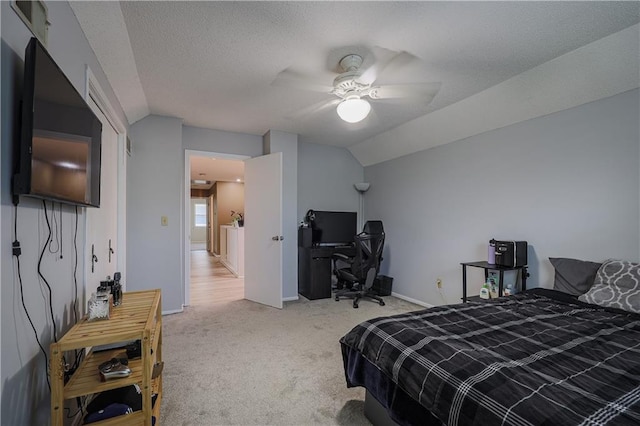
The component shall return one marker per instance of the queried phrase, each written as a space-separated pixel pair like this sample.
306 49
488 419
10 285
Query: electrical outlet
439 283
164 221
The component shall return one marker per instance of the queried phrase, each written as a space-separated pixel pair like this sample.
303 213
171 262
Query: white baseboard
230 268
290 299
173 311
412 300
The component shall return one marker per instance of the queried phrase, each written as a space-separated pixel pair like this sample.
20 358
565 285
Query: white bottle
509 290
493 288
484 291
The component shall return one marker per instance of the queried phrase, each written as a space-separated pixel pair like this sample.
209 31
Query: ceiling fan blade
313 109
386 59
417 91
298 80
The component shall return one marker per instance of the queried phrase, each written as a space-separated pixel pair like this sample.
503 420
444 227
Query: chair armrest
342 257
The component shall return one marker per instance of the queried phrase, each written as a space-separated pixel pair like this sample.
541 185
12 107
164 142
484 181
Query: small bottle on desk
493 288
484 292
509 290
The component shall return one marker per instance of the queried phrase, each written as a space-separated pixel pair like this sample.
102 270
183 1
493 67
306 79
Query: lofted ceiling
213 64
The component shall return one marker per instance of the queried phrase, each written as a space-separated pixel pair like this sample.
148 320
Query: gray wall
209 140
325 178
568 183
326 175
155 182
25 395
287 143
155 188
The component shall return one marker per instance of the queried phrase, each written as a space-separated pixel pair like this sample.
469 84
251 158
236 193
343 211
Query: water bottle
491 252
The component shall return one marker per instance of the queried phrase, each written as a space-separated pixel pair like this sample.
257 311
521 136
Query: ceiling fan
355 86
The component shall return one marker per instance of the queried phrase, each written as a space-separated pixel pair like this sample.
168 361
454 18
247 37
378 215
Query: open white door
263 229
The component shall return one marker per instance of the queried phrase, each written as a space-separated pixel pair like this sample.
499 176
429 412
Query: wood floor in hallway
211 282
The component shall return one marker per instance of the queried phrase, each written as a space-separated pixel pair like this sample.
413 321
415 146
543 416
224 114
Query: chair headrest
373 227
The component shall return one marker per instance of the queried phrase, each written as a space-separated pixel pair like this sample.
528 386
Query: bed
538 357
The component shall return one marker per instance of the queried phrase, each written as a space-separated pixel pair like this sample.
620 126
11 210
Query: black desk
314 270
489 266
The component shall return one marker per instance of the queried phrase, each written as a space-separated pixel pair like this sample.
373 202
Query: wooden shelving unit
139 317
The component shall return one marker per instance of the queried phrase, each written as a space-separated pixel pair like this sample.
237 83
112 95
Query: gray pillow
573 276
617 285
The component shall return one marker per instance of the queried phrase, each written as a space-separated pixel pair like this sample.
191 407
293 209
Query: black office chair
360 271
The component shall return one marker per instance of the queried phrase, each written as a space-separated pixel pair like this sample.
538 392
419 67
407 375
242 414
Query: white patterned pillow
617 285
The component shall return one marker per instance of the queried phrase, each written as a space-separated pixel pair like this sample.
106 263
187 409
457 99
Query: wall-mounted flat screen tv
58 153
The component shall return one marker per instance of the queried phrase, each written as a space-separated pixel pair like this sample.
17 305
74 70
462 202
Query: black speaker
305 237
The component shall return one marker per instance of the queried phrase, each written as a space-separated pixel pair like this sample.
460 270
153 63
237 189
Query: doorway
215 184
199 223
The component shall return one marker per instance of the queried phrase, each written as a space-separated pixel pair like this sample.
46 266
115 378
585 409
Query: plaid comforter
522 360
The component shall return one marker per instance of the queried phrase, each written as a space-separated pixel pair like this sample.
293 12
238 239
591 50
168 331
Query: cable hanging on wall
44 248
17 251
55 233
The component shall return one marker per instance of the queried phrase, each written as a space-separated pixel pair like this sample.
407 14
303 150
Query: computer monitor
333 228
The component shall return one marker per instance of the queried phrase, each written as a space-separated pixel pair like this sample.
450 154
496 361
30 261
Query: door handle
277 238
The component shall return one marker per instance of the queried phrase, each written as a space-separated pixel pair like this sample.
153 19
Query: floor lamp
361 187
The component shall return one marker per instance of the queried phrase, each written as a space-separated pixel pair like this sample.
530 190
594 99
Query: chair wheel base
355 305
381 303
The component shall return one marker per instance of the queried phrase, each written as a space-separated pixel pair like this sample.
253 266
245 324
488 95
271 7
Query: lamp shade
353 109
362 186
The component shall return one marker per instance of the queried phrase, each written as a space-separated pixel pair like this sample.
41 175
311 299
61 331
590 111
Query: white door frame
186 230
94 91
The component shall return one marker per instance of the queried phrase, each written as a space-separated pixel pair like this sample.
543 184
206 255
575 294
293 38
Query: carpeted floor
242 363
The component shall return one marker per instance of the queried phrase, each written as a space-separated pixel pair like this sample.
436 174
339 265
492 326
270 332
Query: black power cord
60 237
44 248
54 220
80 409
17 251
78 354
75 268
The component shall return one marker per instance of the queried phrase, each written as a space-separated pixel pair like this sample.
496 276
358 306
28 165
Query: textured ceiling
213 63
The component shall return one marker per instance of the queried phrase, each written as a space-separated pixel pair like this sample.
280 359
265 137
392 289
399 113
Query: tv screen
334 228
58 154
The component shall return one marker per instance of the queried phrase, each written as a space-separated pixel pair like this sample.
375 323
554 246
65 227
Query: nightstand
491 267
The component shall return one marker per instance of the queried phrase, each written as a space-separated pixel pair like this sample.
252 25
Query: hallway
211 282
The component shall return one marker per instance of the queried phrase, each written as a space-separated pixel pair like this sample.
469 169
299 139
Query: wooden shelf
87 379
139 317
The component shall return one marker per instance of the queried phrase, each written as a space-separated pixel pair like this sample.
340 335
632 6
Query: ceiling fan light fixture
353 109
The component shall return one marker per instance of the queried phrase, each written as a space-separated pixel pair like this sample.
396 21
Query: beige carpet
242 363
